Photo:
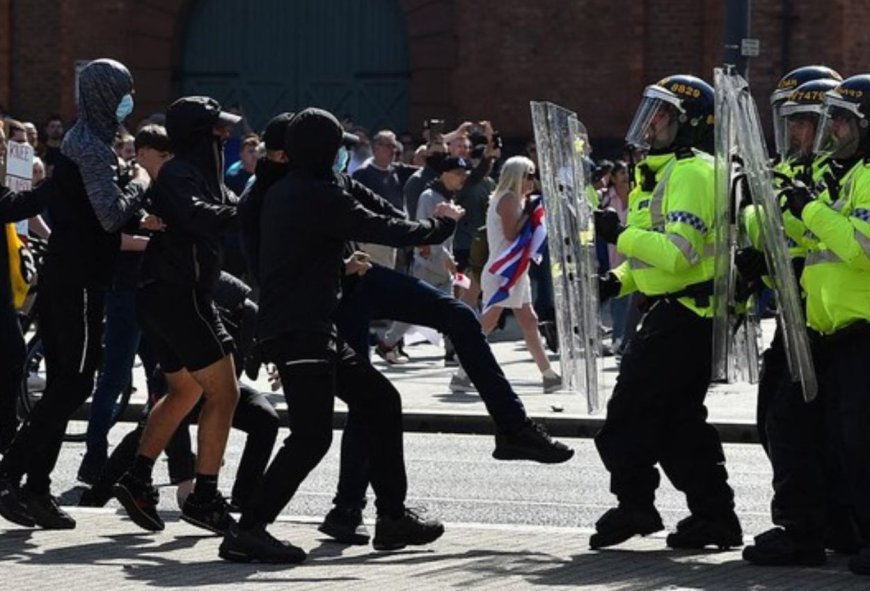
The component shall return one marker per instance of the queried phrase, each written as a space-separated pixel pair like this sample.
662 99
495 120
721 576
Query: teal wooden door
347 56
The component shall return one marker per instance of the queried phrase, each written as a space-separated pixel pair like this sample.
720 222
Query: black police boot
411 529
530 442
345 525
777 547
696 533
623 522
258 545
860 563
45 511
212 514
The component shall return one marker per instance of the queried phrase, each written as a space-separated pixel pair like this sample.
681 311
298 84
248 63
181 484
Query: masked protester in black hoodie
176 310
306 219
88 208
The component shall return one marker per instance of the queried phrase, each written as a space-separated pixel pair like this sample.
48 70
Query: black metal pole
737 29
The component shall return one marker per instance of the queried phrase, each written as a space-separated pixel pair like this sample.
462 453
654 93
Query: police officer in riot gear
657 412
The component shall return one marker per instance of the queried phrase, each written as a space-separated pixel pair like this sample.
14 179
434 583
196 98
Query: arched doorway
347 56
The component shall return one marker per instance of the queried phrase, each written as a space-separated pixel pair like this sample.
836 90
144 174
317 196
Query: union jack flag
513 262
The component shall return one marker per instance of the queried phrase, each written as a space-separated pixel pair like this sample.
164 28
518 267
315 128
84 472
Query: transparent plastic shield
750 142
561 141
736 329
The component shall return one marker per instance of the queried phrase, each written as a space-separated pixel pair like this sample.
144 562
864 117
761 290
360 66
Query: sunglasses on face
531 176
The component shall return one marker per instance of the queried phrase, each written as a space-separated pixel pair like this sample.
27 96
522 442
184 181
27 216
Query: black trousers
385 293
12 353
844 381
254 416
657 415
315 368
71 325
793 434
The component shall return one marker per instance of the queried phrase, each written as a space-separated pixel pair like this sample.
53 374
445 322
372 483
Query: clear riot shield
736 336
561 141
751 146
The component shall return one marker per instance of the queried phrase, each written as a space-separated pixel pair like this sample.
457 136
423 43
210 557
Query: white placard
19 173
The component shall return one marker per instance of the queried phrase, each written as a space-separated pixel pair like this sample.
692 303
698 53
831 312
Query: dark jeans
121 341
254 415
315 368
12 353
384 293
657 415
71 325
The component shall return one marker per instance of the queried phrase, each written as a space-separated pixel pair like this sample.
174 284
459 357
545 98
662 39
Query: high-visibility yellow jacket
669 239
836 277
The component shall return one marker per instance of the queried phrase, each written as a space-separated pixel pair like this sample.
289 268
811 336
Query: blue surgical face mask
125 107
341 160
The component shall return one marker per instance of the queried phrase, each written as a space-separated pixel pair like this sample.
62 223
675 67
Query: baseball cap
454 163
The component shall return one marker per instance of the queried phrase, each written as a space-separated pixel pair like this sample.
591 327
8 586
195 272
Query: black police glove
607 225
608 287
750 263
797 196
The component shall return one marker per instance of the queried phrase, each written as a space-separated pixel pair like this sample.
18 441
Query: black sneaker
345 525
11 507
139 500
90 469
860 563
212 514
411 529
96 496
776 547
696 533
258 545
531 442
46 512
621 523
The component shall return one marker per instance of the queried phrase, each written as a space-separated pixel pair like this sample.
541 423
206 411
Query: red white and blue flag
513 262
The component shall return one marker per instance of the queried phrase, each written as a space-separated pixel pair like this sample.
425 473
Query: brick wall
469 60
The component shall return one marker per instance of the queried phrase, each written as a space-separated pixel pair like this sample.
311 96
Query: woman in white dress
505 218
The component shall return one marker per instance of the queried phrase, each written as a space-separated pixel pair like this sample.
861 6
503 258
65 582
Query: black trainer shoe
345 525
139 500
776 547
11 507
411 529
212 514
531 442
622 522
46 512
696 533
96 496
90 469
860 563
258 545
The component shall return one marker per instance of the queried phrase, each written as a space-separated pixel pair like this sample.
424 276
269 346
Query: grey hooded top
102 85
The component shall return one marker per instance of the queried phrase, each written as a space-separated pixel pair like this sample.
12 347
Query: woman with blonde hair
505 218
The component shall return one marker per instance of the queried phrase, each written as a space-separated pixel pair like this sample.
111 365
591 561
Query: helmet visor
778 128
837 134
800 133
657 112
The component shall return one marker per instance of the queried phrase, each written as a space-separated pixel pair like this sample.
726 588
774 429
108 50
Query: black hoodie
305 220
190 197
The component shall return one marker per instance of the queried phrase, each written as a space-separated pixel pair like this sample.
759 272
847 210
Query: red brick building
465 59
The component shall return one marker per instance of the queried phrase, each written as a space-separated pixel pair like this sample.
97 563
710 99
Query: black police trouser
657 415
314 369
385 293
254 416
12 354
792 433
71 326
844 381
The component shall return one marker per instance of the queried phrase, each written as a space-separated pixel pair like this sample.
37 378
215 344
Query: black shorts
182 326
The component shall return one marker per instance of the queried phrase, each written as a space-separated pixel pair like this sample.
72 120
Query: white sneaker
460 382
